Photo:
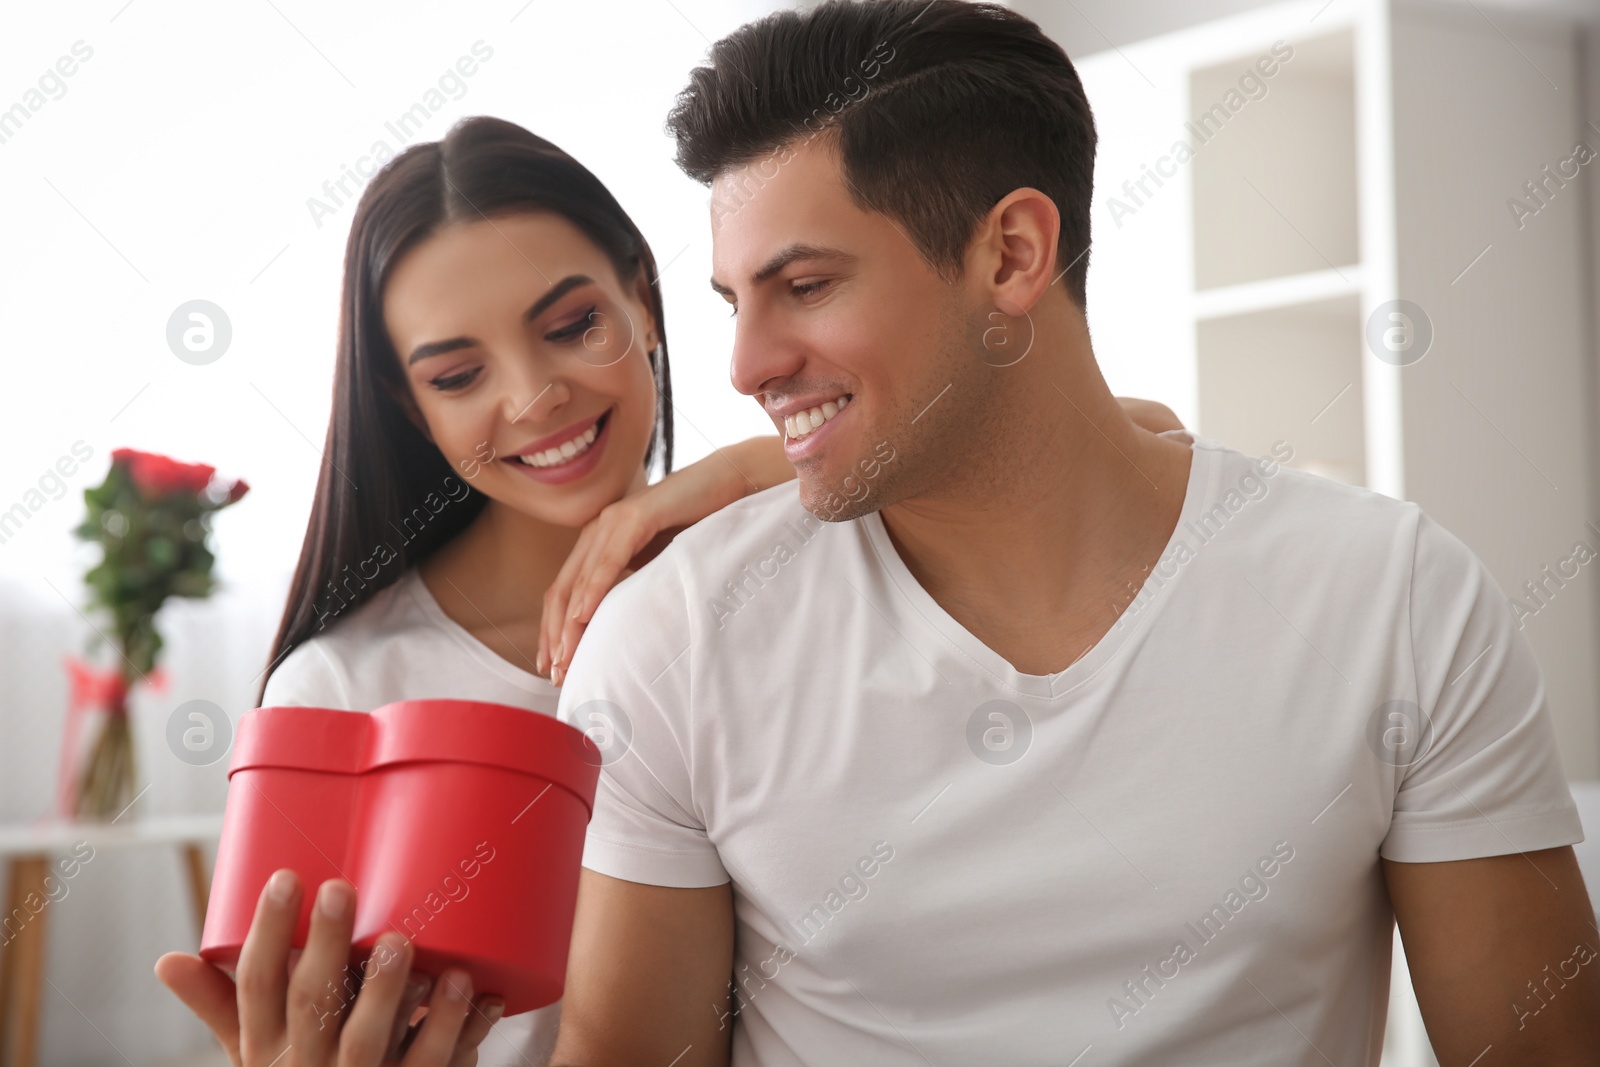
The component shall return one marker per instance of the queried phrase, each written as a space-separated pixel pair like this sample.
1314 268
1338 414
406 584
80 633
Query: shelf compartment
1275 163
1287 374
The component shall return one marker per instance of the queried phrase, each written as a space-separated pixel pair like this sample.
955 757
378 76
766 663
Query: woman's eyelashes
574 331
446 383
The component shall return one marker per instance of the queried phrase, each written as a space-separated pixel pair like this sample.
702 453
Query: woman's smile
578 451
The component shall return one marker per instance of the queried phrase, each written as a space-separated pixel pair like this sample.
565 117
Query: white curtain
102 1004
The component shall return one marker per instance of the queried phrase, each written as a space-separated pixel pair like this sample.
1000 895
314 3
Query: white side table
28 851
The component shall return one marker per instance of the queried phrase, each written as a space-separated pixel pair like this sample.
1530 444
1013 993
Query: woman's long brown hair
386 498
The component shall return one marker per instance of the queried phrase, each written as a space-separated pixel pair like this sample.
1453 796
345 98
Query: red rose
239 489
158 476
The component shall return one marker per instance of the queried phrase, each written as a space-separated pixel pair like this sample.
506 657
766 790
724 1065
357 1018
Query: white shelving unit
1267 183
1237 263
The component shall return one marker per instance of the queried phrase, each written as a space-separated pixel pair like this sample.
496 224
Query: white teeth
803 422
551 456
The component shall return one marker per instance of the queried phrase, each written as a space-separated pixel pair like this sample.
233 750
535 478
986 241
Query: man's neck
1035 562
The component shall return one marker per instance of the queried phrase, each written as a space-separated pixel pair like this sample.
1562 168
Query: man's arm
1504 955
647 976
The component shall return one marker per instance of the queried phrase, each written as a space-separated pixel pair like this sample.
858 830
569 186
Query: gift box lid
418 731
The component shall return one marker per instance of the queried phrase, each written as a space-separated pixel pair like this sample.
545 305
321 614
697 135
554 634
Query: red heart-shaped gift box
460 823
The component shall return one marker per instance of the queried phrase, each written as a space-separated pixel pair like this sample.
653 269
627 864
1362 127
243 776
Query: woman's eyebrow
438 348
537 308
557 291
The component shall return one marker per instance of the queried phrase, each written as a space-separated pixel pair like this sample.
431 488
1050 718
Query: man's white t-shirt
1165 853
400 645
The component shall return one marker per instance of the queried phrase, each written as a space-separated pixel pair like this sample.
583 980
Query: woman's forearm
711 483
759 463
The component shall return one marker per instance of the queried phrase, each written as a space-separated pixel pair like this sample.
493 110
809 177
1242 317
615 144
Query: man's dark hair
941 108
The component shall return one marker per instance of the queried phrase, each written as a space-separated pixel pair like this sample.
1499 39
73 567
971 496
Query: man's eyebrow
783 259
537 308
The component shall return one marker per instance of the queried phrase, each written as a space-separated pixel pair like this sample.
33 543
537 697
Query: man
1011 733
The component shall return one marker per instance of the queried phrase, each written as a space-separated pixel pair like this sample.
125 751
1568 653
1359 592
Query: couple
1011 733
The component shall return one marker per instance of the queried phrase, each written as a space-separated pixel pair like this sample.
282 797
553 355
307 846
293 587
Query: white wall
176 165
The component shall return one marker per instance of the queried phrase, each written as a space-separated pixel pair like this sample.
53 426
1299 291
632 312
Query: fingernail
561 652
333 899
494 1011
281 886
538 661
393 951
555 676
459 985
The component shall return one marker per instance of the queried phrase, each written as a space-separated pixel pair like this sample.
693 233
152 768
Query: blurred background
1367 229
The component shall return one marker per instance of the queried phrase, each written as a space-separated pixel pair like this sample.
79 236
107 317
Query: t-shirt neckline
1202 471
429 606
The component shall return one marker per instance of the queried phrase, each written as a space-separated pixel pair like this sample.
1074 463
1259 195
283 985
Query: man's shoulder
678 591
714 549
748 520
1300 510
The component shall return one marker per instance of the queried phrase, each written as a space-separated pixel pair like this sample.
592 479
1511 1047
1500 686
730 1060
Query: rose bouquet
152 519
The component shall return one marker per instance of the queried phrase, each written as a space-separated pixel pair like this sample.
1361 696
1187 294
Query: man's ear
1016 249
408 404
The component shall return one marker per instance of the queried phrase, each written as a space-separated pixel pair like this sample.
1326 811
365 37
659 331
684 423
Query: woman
486 469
